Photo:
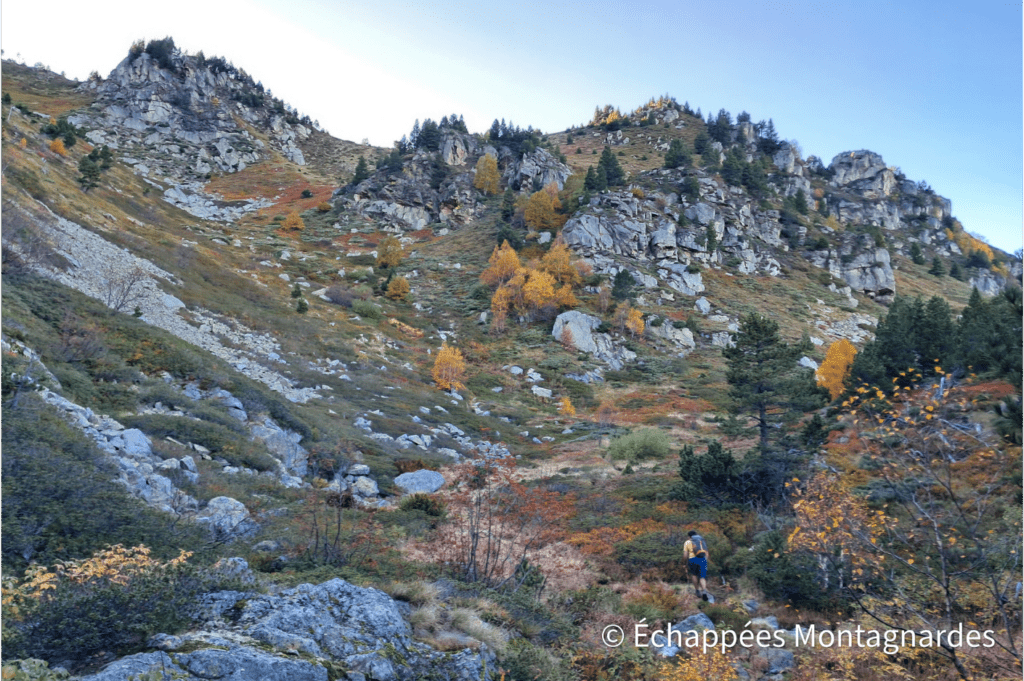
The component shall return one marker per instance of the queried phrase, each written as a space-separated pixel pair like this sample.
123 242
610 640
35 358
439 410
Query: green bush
116 610
60 497
32 670
366 309
646 443
430 505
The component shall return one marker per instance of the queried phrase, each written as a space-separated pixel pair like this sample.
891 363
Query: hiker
695 553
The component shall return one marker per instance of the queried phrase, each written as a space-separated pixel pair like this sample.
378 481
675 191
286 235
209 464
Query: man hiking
695 553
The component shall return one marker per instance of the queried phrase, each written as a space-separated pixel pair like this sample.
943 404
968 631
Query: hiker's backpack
699 547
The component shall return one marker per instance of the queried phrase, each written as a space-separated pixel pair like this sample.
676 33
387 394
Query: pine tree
622 287
765 381
296 291
677 155
614 174
362 171
916 255
302 307
711 478
956 272
937 270
590 180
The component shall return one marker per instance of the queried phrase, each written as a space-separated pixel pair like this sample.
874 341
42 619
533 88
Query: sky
934 87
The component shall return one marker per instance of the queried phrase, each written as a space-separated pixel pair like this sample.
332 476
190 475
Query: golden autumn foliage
539 291
323 207
57 147
500 303
449 370
293 222
833 525
23 143
389 252
635 322
541 211
558 263
699 666
833 371
398 289
565 407
565 298
502 265
487 175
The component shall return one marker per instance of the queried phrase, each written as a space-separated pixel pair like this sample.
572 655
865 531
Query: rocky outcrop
457 147
538 167
581 328
863 172
302 634
413 199
871 273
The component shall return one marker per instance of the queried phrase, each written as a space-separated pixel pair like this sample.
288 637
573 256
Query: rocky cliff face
180 124
668 234
425 192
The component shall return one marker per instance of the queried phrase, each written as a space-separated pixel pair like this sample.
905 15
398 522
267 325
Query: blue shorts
698 566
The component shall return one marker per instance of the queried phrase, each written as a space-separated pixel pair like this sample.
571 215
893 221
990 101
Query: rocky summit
280 405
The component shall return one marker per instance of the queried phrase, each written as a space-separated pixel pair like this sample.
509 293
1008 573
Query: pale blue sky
935 87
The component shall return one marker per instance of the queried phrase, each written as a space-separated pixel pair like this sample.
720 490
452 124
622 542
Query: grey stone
769 622
226 518
359 469
702 305
806 361
365 487
779 659
422 481
541 392
136 443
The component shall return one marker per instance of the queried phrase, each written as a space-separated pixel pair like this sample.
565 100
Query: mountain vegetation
252 370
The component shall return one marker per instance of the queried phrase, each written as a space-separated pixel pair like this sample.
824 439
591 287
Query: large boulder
226 518
456 147
581 329
284 444
420 482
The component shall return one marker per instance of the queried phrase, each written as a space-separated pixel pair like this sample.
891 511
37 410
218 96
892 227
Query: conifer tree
916 255
362 171
937 270
449 370
765 381
614 174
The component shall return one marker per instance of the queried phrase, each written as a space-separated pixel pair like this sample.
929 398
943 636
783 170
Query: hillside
469 393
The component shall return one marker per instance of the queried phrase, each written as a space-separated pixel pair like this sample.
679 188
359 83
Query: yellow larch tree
558 263
502 265
398 289
542 209
539 291
833 371
565 298
389 252
501 301
635 322
487 175
293 223
565 407
449 370
57 147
